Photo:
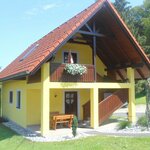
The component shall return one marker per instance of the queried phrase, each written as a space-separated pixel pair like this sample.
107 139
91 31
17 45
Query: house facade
36 83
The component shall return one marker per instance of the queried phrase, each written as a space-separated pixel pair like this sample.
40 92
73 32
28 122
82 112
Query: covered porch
52 97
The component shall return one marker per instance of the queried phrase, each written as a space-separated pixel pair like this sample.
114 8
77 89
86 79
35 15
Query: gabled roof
41 51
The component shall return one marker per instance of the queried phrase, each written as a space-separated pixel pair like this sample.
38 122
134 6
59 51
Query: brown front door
71 103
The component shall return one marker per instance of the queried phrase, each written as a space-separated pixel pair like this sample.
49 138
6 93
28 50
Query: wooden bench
66 118
51 117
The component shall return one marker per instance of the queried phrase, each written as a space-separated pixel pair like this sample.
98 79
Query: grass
11 141
140 99
123 124
142 121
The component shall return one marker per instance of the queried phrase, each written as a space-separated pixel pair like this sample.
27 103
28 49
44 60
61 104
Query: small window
66 57
29 52
11 97
18 102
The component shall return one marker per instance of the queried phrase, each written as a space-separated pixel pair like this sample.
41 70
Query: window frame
67 51
33 48
11 100
18 101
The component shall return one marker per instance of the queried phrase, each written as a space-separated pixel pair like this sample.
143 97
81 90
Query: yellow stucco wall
9 110
33 107
84 53
100 67
57 100
84 96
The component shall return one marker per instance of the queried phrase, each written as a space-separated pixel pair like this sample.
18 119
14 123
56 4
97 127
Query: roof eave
15 76
132 39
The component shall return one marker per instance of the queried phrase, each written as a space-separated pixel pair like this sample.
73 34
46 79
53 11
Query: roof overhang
15 76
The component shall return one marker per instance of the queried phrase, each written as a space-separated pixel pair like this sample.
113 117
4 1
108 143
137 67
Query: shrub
74 126
142 121
140 87
123 124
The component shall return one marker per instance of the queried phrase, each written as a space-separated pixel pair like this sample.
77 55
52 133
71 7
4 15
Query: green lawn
140 99
11 141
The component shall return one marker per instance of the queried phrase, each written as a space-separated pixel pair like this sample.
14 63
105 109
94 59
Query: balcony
58 74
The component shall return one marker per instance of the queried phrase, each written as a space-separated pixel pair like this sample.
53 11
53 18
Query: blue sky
23 22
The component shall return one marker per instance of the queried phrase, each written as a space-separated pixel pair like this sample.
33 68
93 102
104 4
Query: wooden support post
45 107
131 105
94 107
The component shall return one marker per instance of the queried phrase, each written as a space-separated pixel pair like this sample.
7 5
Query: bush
140 88
142 121
74 126
123 125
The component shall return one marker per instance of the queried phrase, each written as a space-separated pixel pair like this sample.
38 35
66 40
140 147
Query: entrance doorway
71 103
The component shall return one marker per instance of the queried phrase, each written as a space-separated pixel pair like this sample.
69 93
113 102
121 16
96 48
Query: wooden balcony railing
58 74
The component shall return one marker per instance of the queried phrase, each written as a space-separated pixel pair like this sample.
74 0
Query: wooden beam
88 27
139 65
94 51
78 42
91 33
120 75
140 73
101 56
108 51
82 39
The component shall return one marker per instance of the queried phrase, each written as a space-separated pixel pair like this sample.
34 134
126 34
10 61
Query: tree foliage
148 102
138 20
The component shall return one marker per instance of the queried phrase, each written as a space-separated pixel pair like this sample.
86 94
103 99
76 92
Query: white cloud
36 10
32 12
49 6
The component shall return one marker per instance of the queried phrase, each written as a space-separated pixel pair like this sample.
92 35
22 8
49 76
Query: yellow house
96 41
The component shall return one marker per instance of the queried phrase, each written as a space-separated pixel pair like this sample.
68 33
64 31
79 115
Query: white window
66 58
18 102
10 97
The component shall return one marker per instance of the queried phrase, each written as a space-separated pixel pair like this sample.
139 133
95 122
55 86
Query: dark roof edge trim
65 41
21 74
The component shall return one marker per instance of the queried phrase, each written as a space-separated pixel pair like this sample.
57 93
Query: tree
138 21
148 101
74 126
141 21
123 8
